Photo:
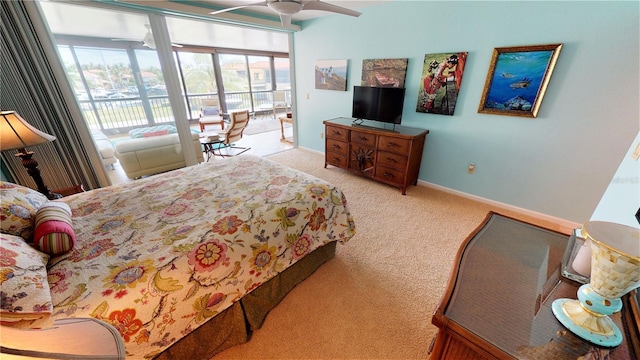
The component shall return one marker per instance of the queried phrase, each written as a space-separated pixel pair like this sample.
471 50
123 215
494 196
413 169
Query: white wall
621 200
559 163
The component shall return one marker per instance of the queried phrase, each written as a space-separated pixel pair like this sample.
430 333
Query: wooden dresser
391 156
498 301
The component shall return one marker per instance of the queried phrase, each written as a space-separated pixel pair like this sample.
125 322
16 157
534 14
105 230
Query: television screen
379 104
365 102
390 104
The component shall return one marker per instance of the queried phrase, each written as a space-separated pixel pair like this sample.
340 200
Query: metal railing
122 114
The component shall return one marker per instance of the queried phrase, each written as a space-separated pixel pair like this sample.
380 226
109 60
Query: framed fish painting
517 79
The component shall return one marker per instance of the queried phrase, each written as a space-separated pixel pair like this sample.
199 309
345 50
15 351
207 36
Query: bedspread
160 256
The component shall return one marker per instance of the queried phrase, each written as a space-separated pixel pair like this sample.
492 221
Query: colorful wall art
331 75
384 72
517 79
440 85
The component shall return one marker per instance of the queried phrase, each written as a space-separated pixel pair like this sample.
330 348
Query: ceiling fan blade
261 3
285 20
319 5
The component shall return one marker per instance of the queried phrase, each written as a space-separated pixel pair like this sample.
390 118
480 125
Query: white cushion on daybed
153 155
104 146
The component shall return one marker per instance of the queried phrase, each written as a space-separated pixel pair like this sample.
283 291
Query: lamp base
32 169
596 328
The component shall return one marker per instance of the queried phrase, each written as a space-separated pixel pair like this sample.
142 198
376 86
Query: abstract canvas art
331 75
440 82
384 72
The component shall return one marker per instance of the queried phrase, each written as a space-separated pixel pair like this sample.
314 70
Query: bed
188 263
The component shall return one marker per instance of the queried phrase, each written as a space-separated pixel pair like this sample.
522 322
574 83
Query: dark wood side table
70 190
498 301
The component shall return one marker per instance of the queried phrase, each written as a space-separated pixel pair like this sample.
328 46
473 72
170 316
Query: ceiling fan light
286 7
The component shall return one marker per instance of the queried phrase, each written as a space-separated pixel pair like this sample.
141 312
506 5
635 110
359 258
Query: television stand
389 156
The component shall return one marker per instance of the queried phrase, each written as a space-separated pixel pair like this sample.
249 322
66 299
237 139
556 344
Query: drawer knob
388 174
392 160
336 159
336 146
363 138
392 144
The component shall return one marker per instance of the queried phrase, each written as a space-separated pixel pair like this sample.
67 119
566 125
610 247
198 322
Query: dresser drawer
337 133
336 159
338 147
390 157
389 175
363 138
395 145
392 160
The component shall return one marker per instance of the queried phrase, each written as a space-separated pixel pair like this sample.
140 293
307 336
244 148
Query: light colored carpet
375 299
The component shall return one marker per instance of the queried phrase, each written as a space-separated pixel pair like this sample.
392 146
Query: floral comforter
160 256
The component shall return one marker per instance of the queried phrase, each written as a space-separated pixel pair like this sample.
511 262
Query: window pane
109 83
199 79
154 86
260 70
235 80
107 71
283 76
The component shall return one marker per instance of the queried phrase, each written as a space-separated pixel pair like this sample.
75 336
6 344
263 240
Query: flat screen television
378 104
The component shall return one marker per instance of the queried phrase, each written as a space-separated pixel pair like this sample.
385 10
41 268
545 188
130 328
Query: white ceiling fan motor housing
286 7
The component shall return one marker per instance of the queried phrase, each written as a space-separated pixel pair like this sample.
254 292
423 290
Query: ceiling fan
286 8
147 40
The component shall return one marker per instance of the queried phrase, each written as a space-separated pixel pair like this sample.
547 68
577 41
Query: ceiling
356 5
69 18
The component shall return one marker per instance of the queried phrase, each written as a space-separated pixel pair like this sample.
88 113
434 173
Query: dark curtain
29 86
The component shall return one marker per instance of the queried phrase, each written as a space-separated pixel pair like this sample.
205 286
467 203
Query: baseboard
309 149
562 223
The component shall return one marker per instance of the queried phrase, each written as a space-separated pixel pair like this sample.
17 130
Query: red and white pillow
54 233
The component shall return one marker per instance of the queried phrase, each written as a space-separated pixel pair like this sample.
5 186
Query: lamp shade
16 133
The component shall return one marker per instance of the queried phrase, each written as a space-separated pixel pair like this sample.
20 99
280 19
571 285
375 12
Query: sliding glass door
132 70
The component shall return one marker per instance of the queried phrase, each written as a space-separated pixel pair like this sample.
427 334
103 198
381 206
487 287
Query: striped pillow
54 234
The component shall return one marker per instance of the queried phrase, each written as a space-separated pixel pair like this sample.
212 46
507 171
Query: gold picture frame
517 79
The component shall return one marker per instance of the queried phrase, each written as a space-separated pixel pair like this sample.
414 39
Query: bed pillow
54 233
155 133
18 206
210 110
26 298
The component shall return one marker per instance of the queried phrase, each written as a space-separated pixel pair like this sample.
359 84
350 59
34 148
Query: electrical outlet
471 168
321 135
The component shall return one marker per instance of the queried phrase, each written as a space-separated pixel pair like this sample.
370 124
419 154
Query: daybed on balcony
105 148
150 155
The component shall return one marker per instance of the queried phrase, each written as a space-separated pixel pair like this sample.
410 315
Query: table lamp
615 271
16 133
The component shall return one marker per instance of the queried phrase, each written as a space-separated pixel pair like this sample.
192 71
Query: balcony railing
123 114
